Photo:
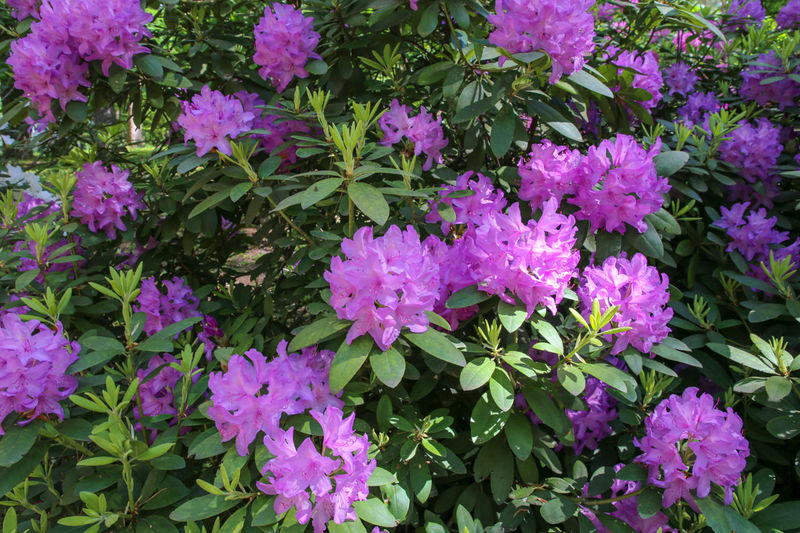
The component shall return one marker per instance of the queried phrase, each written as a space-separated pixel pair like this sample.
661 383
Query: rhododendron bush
377 265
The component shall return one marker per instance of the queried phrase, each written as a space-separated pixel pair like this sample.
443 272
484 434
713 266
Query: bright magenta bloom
384 284
690 444
640 292
103 197
33 365
471 209
179 303
212 120
563 30
285 40
647 73
783 92
422 131
753 148
788 17
680 79
550 172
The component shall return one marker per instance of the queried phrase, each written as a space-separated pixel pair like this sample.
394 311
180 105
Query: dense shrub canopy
375 265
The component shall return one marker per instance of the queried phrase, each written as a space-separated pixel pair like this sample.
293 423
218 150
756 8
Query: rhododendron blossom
384 284
22 9
742 13
641 293
789 15
157 393
468 209
162 310
422 131
46 262
680 79
689 444
647 73
337 479
33 365
697 108
212 120
284 42
253 393
563 30
102 197
751 232
619 185
592 425
550 172
280 128
753 148
782 92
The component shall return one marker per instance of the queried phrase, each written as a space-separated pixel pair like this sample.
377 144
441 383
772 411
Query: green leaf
240 190
162 340
375 512
740 356
511 316
544 407
77 111
319 191
420 477
25 279
477 373
466 297
210 202
588 81
389 366
369 201
103 344
572 379
10 521
668 163
785 427
723 519
501 389
437 345
778 388
380 477
555 120
558 510
317 67
207 444
519 435
17 441
549 333
765 311
649 503
611 376
149 65
780 516
202 508
429 19
486 420
316 331
348 361
503 130
649 242
15 474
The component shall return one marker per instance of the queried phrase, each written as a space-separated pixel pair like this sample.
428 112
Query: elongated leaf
375 512
162 340
17 441
466 297
588 81
389 366
319 191
369 201
348 360
437 345
477 373
316 331
740 356
201 508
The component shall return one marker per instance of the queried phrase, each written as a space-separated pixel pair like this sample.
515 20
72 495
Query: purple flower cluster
769 65
294 383
753 235
284 41
641 293
384 284
157 392
789 15
50 63
422 131
102 197
627 509
211 331
647 73
697 108
470 209
27 204
33 366
280 128
50 254
742 13
680 79
161 310
212 120
593 425
337 477
564 30
689 444
753 148
619 185
550 172
21 9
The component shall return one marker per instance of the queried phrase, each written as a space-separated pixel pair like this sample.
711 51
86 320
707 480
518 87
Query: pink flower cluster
102 197
641 293
627 509
614 184
211 332
680 79
384 284
157 393
33 366
563 30
690 444
280 128
28 203
769 65
294 383
22 9
212 120
337 477
789 15
161 310
471 209
753 234
50 62
697 108
593 425
647 73
753 148
742 13
422 131
52 253
284 41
